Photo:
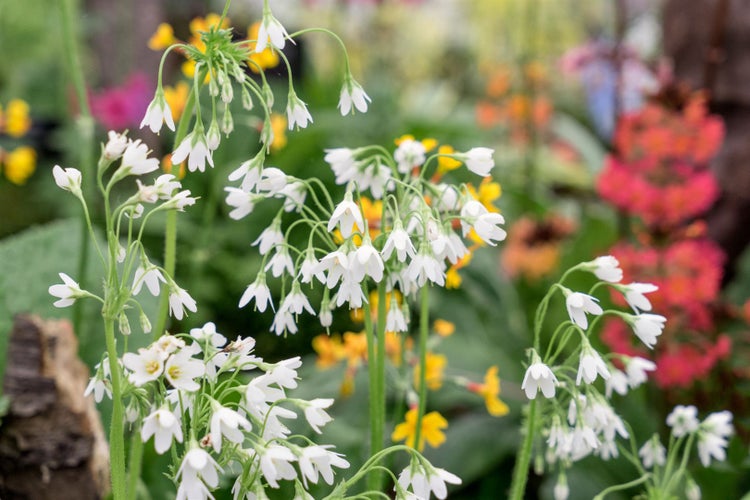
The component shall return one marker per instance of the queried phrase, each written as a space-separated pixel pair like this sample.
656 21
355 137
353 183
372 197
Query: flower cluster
662 156
19 163
533 247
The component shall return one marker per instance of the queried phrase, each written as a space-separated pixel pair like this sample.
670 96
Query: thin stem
136 459
376 427
623 486
424 330
521 471
116 430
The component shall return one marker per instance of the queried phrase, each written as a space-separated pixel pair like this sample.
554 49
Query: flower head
578 304
259 291
352 93
539 377
179 300
683 420
432 429
296 112
68 179
271 30
653 453
157 113
479 160
68 292
647 327
606 268
590 364
181 368
635 295
226 424
164 426
347 215
195 149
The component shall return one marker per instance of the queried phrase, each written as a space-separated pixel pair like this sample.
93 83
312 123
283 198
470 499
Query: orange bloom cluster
532 249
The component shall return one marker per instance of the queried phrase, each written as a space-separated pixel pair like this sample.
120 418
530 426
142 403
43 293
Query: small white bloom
350 291
311 268
395 321
180 369
423 482
636 369
207 334
347 215
270 238
561 490
294 194
145 366
164 426
99 384
578 304
409 154
259 291
352 93
213 136
539 377
590 364
713 437
193 148
226 424
296 301
271 30
275 464
180 200
68 292
280 262
315 413
283 321
337 264
116 144
425 267
272 181
249 171
606 268
479 160
367 261
469 213
242 202
135 160
149 275
634 295
179 300
297 112
398 241
68 179
487 227
157 113
197 467
617 382
683 420
316 460
648 327
653 453
692 490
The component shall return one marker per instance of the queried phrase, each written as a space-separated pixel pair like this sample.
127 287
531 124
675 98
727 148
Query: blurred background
619 127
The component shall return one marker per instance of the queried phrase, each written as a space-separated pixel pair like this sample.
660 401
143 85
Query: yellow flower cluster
15 121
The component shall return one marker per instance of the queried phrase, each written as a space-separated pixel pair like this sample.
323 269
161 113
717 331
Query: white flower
653 453
311 268
280 262
647 327
180 370
116 144
135 160
145 366
424 266
99 384
272 181
271 237
469 213
350 291
158 112
683 420
68 292
294 194
617 382
367 261
423 482
395 321
337 265
352 93
226 423
259 291
249 171
634 295
296 301
242 201
207 334
399 241
340 159
68 179
193 148
213 136
197 468
578 304
284 373
561 490
315 413
180 200
283 321
296 112
270 30
166 185
163 425
479 160
486 227
409 154
275 464
316 460
347 215
713 437
692 490
636 369
539 377
179 300
606 268
590 364
151 276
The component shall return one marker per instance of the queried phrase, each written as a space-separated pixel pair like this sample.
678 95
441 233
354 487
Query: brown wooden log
52 444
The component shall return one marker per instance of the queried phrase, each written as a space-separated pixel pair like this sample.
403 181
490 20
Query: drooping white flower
315 413
618 382
67 292
151 276
145 366
270 238
337 265
259 291
341 160
425 267
653 453
395 321
165 186
280 262
164 426
409 154
635 295
636 369
180 200
296 301
578 304
647 327
272 181
683 420
469 213
213 136
243 202
487 227
590 364
479 160
195 149
99 383
179 300
157 113
539 377
294 194
135 160
425 482
352 93
350 291
606 268
249 171
713 436
275 464
271 30
347 215
367 261
226 424
311 268
297 112
208 335
198 467
116 144
68 179
283 321
398 241
181 368
318 460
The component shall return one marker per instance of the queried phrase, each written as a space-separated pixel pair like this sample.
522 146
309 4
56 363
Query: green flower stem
136 459
85 126
521 470
380 367
116 430
424 330
170 233
376 425
623 486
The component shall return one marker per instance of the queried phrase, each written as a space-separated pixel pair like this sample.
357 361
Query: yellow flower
162 38
393 347
452 278
263 60
434 374
429 144
446 164
168 167
443 328
490 391
278 125
355 345
431 429
20 164
330 350
16 121
488 192
176 97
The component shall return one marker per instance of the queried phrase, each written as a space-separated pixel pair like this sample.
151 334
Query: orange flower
330 350
162 38
434 374
490 391
443 328
431 429
355 345
532 249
